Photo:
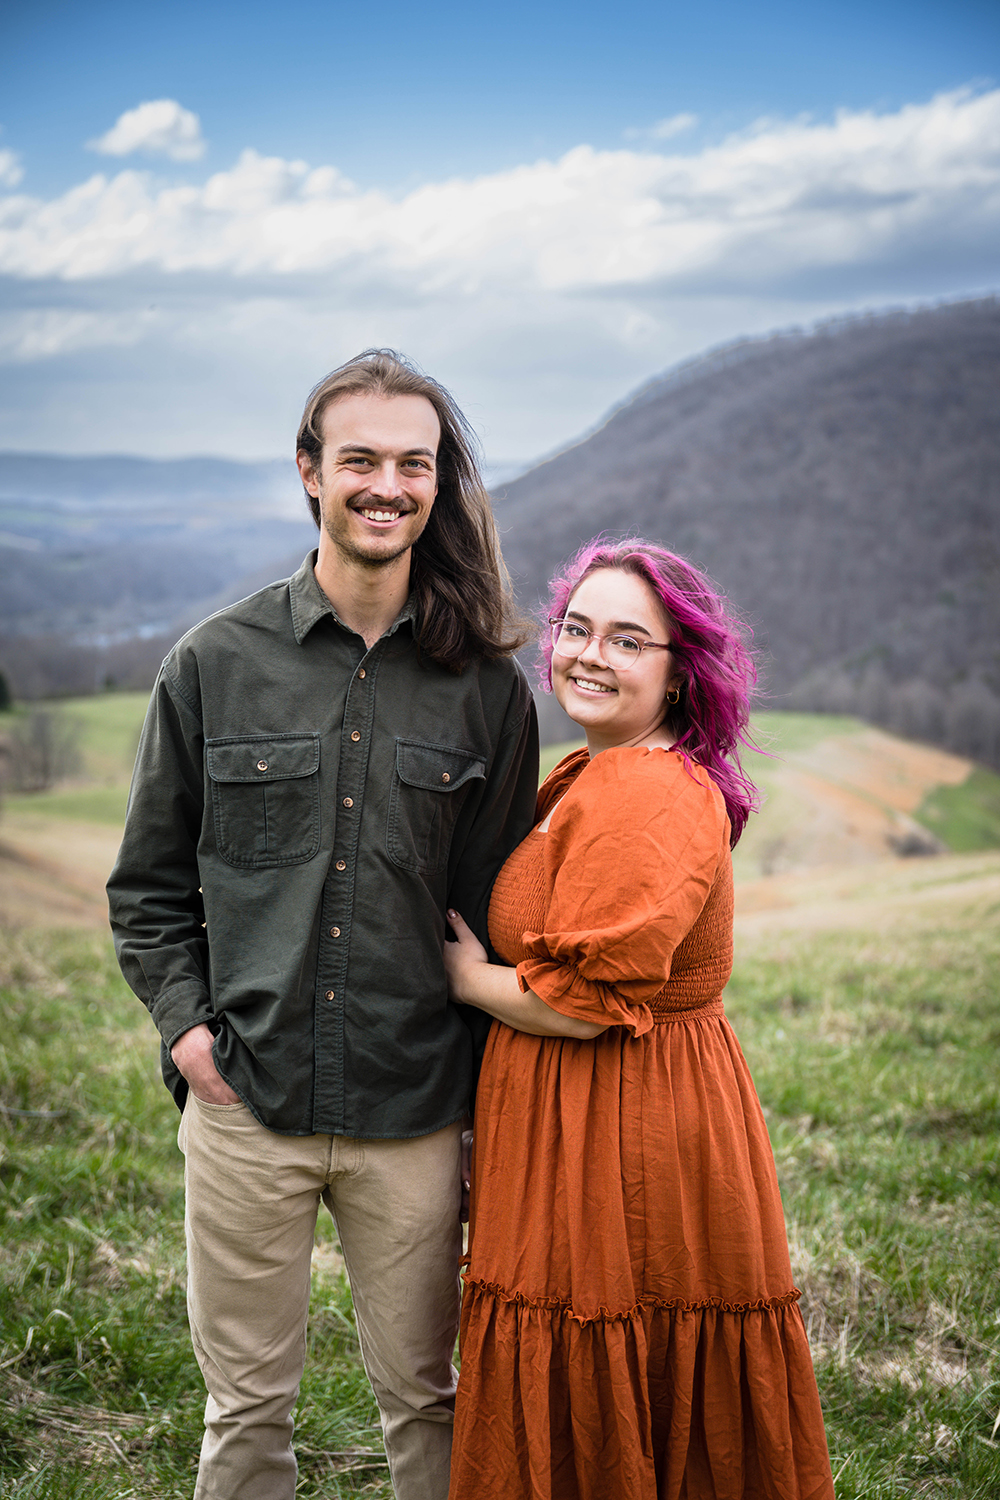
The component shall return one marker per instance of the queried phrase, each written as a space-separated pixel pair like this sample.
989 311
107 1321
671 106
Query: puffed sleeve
631 855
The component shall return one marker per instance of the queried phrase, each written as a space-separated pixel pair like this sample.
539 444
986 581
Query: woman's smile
590 685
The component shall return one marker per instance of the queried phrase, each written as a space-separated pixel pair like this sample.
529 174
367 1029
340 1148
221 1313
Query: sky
205 207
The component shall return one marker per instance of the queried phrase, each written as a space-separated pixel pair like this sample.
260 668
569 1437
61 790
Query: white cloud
761 205
159 127
190 317
45 332
664 130
10 169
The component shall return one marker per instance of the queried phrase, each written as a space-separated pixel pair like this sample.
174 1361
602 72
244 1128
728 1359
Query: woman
629 1326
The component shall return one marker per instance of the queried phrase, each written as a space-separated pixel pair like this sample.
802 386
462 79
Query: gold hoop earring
674 696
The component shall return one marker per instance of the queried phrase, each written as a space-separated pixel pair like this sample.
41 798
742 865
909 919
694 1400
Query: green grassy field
107 726
965 817
874 1050
109 732
875 1058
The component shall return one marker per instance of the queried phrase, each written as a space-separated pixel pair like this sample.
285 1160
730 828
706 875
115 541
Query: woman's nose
593 651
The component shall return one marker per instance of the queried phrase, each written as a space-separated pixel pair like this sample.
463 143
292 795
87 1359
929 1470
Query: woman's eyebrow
630 625
574 614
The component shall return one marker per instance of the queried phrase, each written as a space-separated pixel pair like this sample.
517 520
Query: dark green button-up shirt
303 810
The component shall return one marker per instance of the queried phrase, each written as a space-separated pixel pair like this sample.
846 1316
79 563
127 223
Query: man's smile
382 514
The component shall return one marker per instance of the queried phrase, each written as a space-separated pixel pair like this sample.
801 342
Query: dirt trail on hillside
52 872
891 896
847 800
893 771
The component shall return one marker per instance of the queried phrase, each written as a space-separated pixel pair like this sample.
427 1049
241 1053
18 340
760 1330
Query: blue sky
544 204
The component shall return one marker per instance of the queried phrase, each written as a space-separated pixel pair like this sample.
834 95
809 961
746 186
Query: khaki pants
252 1200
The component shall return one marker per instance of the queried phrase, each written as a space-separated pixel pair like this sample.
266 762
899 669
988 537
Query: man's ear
307 472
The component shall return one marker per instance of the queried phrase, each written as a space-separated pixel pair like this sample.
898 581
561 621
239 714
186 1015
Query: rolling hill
844 488
838 796
842 484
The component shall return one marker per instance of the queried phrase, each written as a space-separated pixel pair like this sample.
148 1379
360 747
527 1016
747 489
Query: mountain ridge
842 483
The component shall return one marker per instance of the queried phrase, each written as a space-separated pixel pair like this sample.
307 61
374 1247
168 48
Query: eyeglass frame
610 635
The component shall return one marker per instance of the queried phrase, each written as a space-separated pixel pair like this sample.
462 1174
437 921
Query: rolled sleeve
631 854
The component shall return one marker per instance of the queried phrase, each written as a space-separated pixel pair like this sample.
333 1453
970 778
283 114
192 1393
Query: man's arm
156 910
503 814
502 817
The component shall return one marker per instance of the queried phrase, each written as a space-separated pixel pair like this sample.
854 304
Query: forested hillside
843 486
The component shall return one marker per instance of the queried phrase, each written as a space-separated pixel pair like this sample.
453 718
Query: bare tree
44 748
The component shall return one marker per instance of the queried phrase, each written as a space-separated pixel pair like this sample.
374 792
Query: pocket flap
436 768
253 758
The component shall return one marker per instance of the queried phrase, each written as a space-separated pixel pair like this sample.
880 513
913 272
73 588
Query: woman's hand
473 980
461 958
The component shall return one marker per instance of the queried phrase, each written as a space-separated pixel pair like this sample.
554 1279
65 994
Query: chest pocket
265 798
429 786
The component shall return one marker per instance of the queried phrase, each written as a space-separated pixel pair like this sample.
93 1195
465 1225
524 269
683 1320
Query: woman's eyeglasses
569 638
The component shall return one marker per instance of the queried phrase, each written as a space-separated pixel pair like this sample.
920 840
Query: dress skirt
629 1325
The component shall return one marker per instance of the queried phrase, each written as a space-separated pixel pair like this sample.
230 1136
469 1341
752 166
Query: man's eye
625 643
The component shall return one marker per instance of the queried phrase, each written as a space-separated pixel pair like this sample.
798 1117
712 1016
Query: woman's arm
473 980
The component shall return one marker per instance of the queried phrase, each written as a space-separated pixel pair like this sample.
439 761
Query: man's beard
350 552
353 554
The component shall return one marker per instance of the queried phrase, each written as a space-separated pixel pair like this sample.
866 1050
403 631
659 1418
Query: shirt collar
310 604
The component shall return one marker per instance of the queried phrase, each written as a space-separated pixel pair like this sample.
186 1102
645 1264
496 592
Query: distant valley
104 561
842 485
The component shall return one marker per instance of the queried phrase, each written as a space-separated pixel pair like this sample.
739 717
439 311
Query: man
325 768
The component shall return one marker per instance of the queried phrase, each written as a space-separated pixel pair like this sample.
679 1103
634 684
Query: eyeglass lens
620 652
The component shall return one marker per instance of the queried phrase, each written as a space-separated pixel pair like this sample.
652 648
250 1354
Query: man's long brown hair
461 585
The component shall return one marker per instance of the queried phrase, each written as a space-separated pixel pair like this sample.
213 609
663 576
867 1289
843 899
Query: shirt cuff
180 1009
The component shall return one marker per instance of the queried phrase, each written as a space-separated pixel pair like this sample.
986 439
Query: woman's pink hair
715 669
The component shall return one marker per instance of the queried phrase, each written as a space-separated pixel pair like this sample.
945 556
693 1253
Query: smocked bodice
702 961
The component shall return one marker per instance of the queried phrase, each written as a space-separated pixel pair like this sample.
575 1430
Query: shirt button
362 672
262 765
335 932
348 801
445 777
355 736
341 864
329 995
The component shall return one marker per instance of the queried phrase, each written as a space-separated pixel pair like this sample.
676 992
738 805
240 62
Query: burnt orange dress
630 1330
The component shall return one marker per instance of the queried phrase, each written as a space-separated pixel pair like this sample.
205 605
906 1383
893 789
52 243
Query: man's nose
386 481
